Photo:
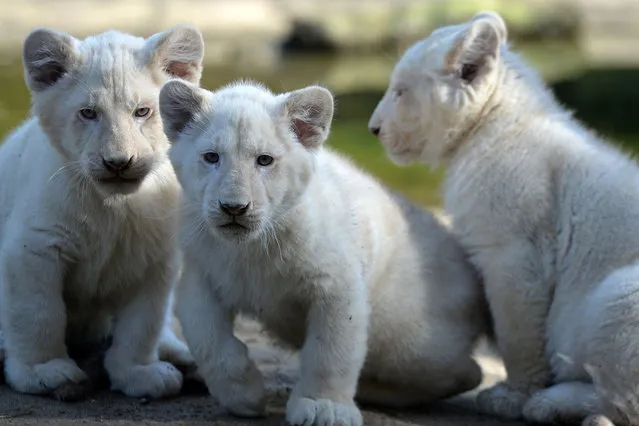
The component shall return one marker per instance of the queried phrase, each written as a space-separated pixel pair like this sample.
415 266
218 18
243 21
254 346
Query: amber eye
142 112
88 113
264 160
211 157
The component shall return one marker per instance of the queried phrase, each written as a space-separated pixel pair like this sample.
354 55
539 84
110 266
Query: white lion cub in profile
277 227
548 212
87 229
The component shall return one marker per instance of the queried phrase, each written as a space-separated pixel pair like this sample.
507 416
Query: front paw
597 420
322 412
156 380
172 350
60 378
502 401
242 397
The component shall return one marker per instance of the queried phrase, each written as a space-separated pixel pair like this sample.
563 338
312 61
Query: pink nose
117 164
234 209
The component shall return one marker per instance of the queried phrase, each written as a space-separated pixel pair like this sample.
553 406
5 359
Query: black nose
374 130
234 209
117 164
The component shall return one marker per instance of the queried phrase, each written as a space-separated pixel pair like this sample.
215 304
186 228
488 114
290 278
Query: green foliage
603 99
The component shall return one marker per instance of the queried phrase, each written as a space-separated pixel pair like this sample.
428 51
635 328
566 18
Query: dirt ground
280 368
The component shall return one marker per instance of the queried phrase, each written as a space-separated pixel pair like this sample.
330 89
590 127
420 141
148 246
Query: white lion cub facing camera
87 225
277 227
548 211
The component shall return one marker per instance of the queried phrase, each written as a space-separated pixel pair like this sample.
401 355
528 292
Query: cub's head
439 89
97 99
243 155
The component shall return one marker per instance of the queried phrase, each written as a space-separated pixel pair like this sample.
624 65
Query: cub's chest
277 294
117 258
282 310
481 210
253 287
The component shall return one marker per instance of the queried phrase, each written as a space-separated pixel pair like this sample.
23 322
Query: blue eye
211 157
264 160
88 113
142 112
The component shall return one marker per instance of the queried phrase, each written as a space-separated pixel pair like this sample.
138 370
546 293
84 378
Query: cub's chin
118 186
402 158
235 232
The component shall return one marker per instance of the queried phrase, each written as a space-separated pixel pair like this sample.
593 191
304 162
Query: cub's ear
476 50
310 112
180 104
178 51
47 56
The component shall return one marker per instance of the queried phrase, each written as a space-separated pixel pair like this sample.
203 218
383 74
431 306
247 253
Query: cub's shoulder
27 147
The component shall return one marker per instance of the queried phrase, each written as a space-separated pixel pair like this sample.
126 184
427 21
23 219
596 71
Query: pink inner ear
180 69
303 130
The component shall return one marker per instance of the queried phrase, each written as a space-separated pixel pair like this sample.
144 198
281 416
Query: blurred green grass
417 182
604 99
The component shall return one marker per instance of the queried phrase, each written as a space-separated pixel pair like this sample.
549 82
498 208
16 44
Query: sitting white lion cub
548 212
279 228
86 227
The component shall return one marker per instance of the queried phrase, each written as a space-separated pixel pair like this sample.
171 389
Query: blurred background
588 50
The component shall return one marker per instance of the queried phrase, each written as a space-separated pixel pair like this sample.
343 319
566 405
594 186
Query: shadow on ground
280 369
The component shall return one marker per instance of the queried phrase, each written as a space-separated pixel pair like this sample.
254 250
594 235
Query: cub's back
599 209
363 201
371 201
395 229
358 189
416 263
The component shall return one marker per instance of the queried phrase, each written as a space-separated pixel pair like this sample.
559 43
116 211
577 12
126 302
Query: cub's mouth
120 180
402 157
119 185
235 230
403 151
234 226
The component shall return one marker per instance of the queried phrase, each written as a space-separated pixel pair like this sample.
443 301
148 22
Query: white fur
329 261
81 259
547 210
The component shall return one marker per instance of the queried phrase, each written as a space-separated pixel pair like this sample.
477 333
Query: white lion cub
548 211
86 221
277 227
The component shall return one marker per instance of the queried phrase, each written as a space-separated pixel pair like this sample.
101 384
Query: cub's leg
332 355
519 300
410 365
609 333
231 377
132 360
170 347
420 382
568 402
34 320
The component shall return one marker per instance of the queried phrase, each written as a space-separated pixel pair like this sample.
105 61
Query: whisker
72 166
